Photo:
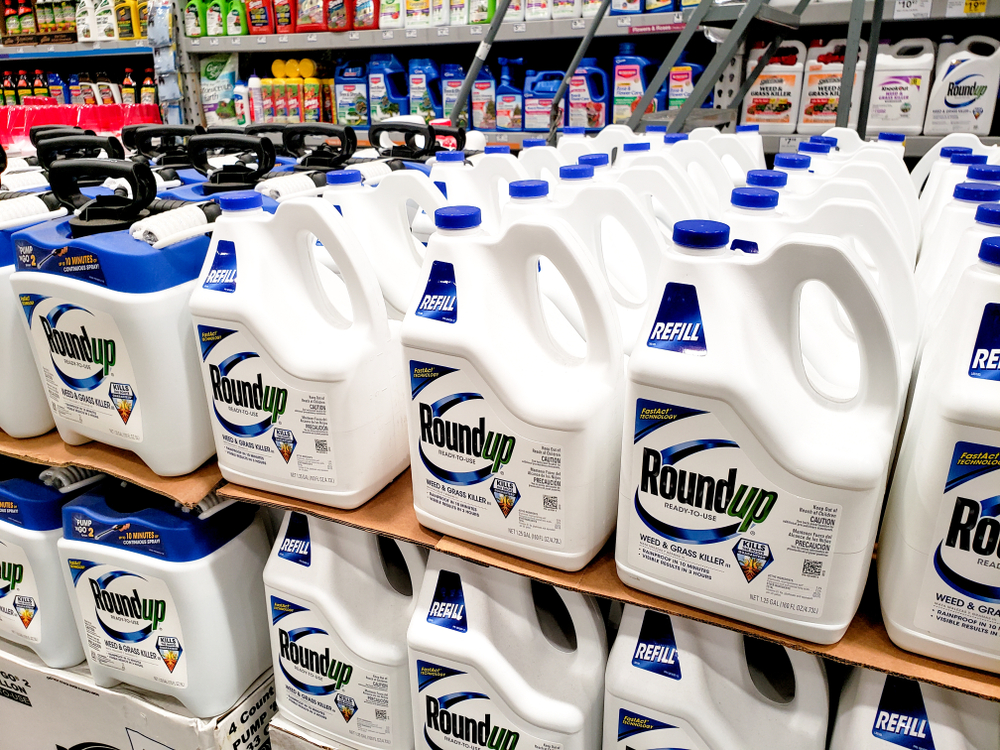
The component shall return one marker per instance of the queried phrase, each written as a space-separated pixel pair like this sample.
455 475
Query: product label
484 106
640 728
537 9
772 97
213 21
652 6
455 706
86 369
389 13
310 12
420 97
282 14
234 22
378 93
320 679
681 87
625 6
821 94
262 424
439 12
76 263
418 12
257 15
352 103
280 102
449 97
336 15
536 113
564 9
628 90
966 102
126 29
458 8
893 99
447 609
902 717
479 11
584 112
192 21
296 544
509 114
475 470
130 621
20 610
960 595
131 536
364 14
656 649
985 363
311 102
128 95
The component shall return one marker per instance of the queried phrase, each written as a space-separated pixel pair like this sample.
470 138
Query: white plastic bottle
706 172
289 416
255 94
957 215
241 103
735 150
340 600
773 100
673 682
725 503
964 96
168 600
937 584
537 10
541 161
821 85
877 711
518 664
494 399
574 143
86 21
957 171
481 185
902 82
35 609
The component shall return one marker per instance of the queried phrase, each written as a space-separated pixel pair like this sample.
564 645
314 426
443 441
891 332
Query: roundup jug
541 161
883 712
491 393
724 503
958 171
957 215
937 584
164 599
340 600
107 318
34 606
773 100
537 682
964 96
481 185
902 82
288 416
673 682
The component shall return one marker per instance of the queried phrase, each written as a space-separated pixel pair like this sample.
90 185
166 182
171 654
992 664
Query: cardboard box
62 709
288 736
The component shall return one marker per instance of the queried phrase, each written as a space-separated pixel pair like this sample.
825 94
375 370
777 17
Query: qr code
322 447
381 714
812 568
550 502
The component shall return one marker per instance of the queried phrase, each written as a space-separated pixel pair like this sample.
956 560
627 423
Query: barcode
550 502
322 447
812 568
381 714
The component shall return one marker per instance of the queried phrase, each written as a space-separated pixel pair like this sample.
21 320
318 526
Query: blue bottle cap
829 140
748 128
980 192
576 172
701 233
343 177
811 147
532 142
672 138
988 213
754 197
792 161
949 151
574 131
767 178
988 172
500 148
529 189
892 137
450 156
458 217
640 146
656 128
968 158
989 251
240 200
594 160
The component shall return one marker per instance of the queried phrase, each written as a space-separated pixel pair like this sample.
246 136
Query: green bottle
236 19
215 17
481 11
194 18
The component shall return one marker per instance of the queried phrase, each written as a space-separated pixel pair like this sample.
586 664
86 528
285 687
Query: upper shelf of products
817 13
80 49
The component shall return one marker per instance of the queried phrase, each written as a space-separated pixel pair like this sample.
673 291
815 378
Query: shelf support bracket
866 87
850 62
482 52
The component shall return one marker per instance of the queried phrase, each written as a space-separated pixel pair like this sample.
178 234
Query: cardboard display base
288 736
866 643
50 450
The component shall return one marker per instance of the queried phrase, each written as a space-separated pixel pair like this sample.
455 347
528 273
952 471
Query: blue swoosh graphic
294 635
305 687
963 585
677 453
440 407
686 536
464 478
229 363
136 636
59 310
78 384
447 701
250 430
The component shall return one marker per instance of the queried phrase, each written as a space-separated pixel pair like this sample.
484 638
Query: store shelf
916 145
525 31
80 49
839 11
866 643
50 450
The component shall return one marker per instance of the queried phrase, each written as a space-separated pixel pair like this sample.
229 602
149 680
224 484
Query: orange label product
312 100
329 102
267 98
293 99
280 103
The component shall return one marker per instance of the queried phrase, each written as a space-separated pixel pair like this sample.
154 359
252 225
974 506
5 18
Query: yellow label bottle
127 18
329 101
278 95
143 19
312 100
293 98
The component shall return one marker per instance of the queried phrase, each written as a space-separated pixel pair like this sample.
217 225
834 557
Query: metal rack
79 49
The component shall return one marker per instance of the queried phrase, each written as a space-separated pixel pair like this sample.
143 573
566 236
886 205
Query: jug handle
416 564
685 152
609 201
410 184
588 623
647 180
922 169
806 257
318 217
811 687
497 169
600 323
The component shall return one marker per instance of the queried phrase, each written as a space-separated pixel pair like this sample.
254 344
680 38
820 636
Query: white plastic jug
312 409
483 185
380 218
35 609
611 139
964 96
754 497
901 85
773 100
339 601
932 202
705 171
509 436
830 160
664 195
944 148
882 712
734 149
574 143
821 85
168 600
499 661
937 580
540 160
957 215
631 280
673 682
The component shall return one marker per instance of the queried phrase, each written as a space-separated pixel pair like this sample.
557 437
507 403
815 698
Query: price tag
50 48
213 42
262 40
624 21
578 23
975 7
235 41
283 39
141 43
386 35
789 144
475 31
965 8
97 45
519 28
502 137
444 30
912 9
354 36
679 17
312 38
411 33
